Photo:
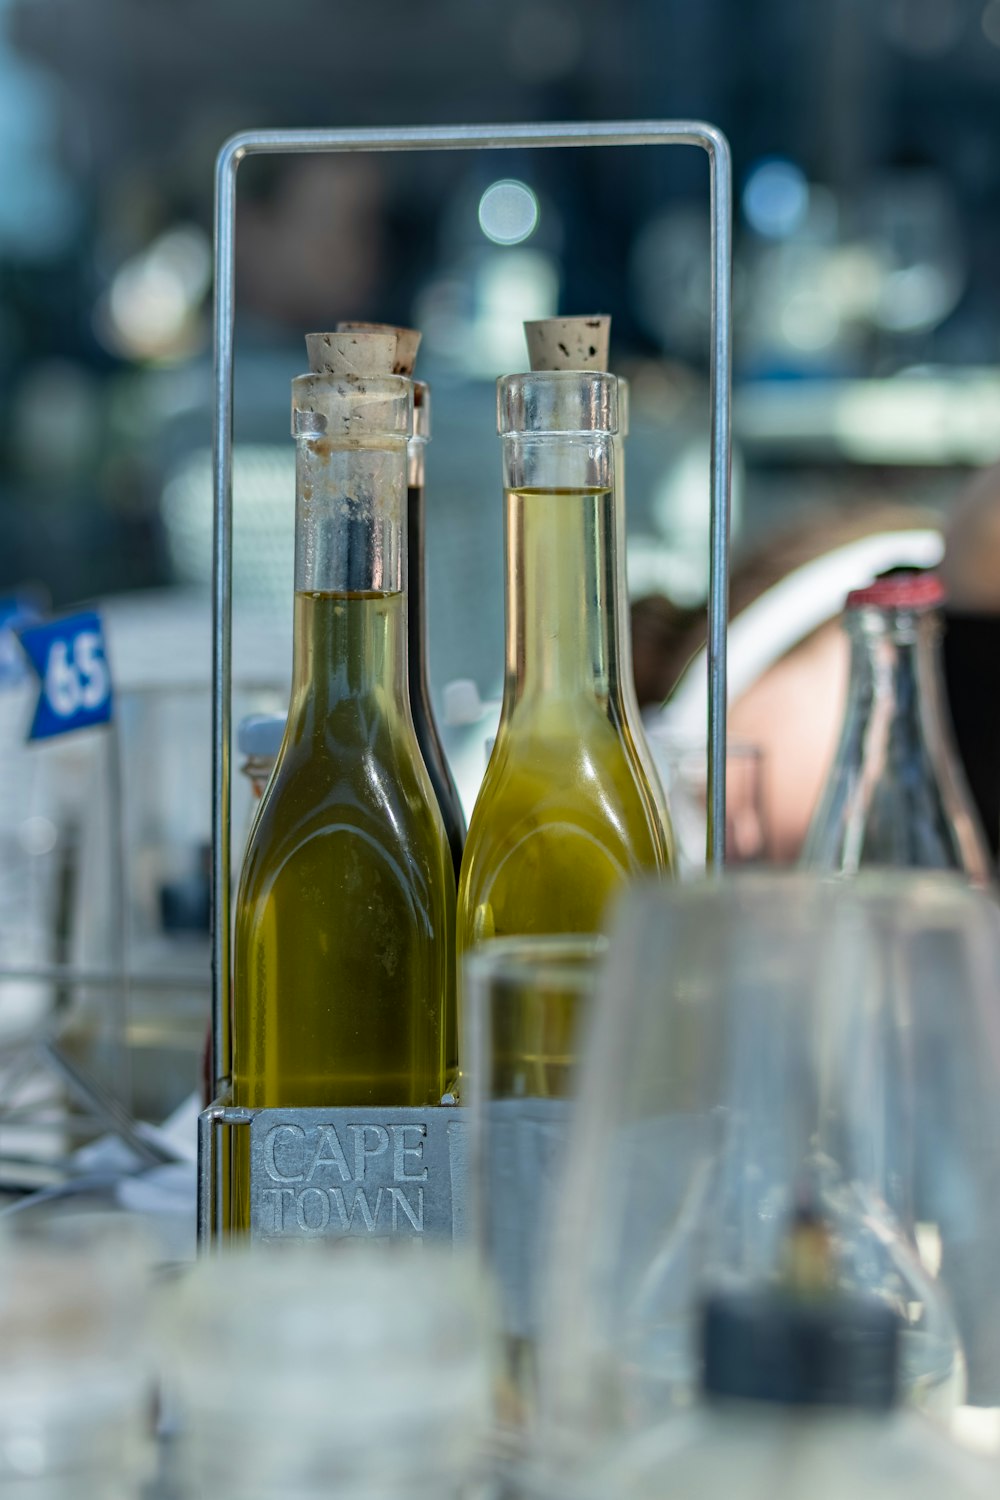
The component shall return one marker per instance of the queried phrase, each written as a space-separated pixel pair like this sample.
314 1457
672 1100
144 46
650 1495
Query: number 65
76 674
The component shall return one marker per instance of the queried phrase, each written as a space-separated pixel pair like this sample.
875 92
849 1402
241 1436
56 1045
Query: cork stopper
407 342
352 352
351 390
568 343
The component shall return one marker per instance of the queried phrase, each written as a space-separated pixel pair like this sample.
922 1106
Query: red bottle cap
900 591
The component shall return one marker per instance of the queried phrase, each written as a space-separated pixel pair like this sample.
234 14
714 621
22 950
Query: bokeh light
508 212
990 22
775 198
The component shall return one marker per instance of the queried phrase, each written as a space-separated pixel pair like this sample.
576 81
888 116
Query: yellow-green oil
535 1032
565 815
343 952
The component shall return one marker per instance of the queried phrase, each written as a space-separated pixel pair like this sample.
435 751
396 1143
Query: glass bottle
344 957
258 738
633 714
428 736
896 794
565 814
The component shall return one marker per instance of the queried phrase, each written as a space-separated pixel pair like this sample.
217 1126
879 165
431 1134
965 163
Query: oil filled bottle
344 946
558 343
418 670
428 734
633 715
565 814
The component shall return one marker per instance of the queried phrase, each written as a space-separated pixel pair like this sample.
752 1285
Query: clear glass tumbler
301 1372
76 1380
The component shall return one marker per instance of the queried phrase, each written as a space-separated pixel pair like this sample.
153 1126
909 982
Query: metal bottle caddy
379 1172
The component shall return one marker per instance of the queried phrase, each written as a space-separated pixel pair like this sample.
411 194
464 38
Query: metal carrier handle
441 138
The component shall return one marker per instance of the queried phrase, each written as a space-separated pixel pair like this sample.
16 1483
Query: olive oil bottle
565 814
344 945
428 734
418 670
633 714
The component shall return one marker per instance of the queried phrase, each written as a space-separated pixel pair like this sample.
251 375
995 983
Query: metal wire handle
454 138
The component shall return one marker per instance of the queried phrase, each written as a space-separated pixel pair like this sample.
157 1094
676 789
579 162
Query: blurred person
971 574
310 241
788 656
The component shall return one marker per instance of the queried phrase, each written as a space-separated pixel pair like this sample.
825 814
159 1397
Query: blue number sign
70 660
15 614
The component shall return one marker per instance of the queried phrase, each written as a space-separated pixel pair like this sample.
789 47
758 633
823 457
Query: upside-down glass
758 1042
528 1005
76 1386
309 1371
682 763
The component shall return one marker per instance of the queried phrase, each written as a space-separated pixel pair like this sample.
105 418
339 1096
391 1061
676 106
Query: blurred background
866 141
867 158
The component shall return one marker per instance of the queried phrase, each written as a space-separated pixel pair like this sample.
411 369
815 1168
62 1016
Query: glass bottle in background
896 794
565 814
633 714
418 671
344 949
428 736
258 739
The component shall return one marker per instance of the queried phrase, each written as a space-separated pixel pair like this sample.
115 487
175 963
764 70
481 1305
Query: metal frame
451 138
218 1114
445 1215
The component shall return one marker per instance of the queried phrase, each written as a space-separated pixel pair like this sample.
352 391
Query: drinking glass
528 1004
683 766
76 1381
302 1372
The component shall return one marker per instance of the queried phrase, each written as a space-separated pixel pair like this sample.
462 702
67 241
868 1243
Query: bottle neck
349 508
347 646
895 706
561 578
350 553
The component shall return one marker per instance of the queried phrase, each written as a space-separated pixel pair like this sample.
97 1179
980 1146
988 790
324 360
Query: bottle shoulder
904 820
559 825
589 781
373 805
